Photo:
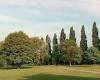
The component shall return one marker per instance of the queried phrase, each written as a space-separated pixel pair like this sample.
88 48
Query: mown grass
50 73
58 77
87 67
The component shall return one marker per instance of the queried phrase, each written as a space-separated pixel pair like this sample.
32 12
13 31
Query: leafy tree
55 50
72 34
17 49
92 56
62 36
95 38
3 62
20 54
39 48
70 52
16 38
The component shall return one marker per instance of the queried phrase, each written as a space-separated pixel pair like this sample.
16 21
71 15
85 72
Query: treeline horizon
18 49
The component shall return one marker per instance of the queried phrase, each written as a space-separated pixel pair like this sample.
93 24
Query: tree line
19 49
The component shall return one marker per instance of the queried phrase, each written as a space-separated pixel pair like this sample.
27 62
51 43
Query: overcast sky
41 17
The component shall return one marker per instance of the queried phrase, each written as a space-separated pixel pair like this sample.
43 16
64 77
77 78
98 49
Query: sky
41 17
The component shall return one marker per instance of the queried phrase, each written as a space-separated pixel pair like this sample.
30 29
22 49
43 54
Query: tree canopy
19 49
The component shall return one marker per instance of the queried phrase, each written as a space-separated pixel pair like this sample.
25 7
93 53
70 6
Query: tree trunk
18 66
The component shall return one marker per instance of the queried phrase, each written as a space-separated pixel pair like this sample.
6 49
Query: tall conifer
62 36
72 34
55 50
83 42
95 37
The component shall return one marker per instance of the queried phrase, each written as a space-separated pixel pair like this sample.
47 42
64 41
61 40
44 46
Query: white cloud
90 6
41 30
7 19
56 3
33 2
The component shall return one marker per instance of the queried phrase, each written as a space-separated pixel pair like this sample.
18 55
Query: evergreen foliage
72 34
55 50
18 49
62 35
95 36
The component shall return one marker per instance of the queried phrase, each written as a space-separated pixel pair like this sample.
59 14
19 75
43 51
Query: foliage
39 48
3 62
55 52
70 52
48 42
72 34
92 56
62 35
16 48
83 42
95 37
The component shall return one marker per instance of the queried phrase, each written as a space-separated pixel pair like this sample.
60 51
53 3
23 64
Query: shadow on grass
7 68
57 77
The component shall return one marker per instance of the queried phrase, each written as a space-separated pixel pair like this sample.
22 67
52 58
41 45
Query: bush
3 62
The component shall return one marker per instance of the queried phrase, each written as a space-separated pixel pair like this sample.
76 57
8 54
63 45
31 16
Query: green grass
50 73
87 67
58 77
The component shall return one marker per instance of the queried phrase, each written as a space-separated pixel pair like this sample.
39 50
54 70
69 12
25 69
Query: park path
93 72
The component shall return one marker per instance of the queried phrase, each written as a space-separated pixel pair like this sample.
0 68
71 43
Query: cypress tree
55 50
83 42
62 36
72 34
95 38
55 41
48 41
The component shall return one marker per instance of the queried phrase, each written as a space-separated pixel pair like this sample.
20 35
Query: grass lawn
51 73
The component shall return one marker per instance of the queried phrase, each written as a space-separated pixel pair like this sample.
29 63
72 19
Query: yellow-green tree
17 49
70 52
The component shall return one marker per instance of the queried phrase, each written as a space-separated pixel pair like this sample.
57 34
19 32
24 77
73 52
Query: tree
17 49
92 56
72 34
39 48
95 38
70 52
55 51
62 36
62 39
48 42
83 42
20 54
2 61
